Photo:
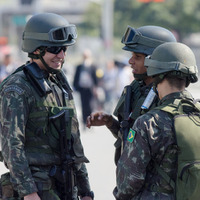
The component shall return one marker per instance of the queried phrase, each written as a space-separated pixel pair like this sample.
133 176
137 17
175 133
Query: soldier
40 136
141 42
151 144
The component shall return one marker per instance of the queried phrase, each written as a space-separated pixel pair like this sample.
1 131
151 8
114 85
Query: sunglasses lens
56 50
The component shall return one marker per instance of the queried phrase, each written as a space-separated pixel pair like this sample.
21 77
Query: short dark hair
179 82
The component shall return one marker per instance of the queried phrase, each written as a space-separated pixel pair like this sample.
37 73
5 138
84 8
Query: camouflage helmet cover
173 57
47 29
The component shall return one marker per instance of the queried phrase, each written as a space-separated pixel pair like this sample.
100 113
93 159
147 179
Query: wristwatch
89 194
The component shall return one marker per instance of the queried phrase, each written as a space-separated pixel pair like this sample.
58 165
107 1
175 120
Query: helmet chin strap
158 78
155 89
140 77
40 56
49 69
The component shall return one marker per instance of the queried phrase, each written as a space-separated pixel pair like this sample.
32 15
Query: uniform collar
176 95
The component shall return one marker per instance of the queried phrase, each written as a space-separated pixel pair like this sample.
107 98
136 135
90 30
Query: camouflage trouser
118 149
46 195
7 192
46 191
49 195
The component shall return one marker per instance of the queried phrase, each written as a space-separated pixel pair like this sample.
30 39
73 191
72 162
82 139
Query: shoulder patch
14 88
131 135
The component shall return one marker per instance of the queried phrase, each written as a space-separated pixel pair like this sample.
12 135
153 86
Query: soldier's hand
33 196
99 119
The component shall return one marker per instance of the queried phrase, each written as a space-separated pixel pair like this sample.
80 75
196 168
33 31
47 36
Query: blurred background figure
6 67
109 83
125 76
85 83
116 75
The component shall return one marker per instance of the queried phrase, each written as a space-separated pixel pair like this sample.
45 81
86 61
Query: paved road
98 144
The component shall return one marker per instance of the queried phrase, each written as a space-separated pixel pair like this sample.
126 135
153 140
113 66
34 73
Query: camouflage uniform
154 139
29 146
138 95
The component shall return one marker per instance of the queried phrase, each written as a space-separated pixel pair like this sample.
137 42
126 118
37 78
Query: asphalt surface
98 144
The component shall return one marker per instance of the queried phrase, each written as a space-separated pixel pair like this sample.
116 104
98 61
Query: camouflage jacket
138 95
28 142
152 137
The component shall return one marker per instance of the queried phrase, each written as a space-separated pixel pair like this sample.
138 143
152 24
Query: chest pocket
41 132
64 131
59 125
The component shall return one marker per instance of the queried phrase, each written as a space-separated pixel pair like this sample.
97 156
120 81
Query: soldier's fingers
92 116
88 122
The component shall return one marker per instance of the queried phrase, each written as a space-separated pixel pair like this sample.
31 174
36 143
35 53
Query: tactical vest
137 99
186 116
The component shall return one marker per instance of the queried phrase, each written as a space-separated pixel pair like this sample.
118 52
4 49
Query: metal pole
107 26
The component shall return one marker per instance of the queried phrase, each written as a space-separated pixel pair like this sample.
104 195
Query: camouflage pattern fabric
138 95
29 147
151 139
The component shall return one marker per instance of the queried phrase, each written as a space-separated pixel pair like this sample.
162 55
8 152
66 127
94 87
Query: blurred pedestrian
85 83
125 77
110 85
6 67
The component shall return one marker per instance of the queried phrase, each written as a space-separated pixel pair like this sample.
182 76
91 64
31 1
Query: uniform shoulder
155 116
157 113
16 82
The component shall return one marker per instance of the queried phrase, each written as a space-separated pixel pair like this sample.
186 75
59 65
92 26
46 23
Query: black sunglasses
56 50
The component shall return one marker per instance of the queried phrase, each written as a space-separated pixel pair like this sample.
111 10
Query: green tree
182 16
91 25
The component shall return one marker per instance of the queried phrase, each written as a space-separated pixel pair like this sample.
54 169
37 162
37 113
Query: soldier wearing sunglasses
33 101
141 42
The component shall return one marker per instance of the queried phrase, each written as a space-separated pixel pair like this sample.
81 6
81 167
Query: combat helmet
146 38
175 59
47 29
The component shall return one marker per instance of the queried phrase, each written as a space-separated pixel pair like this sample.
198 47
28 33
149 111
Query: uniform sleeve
115 129
83 180
14 113
131 168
